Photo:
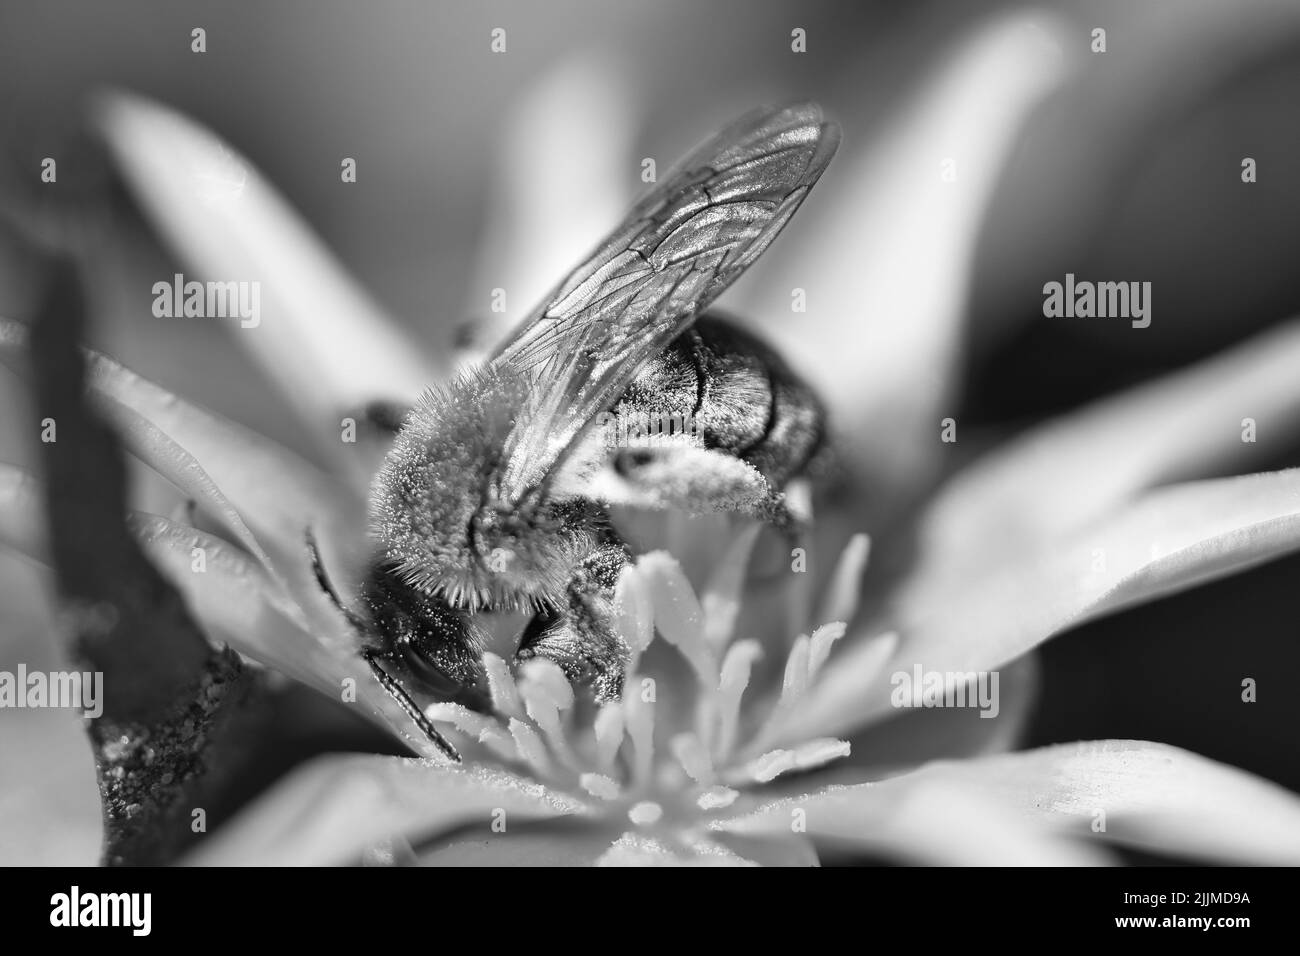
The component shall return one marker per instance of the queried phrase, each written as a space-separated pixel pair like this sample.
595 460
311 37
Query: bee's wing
681 246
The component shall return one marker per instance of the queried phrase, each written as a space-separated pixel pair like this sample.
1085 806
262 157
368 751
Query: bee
495 493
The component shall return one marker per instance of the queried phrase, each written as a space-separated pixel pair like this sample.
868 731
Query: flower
707 768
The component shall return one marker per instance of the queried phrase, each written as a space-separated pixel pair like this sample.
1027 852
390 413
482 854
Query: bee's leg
371 656
697 481
582 637
776 511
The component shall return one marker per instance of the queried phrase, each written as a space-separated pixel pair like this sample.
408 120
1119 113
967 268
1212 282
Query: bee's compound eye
432 666
435 646
433 642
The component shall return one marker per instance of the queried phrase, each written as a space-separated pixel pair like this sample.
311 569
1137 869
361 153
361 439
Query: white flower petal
565 176
149 443
916 819
274 491
880 337
1148 795
635 849
1169 540
330 809
1057 479
321 339
912 737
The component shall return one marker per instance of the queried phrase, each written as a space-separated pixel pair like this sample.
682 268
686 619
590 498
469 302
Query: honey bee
495 493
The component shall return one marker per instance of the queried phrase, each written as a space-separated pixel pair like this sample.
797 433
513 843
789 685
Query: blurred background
478 170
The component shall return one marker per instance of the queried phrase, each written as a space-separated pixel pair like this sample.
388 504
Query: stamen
634 614
483 728
546 693
795 681
774 763
501 685
693 757
645 813
820 751
840 602
543 680
717 798
722 594
794 684
598 785
677 614
609 734
767 767
639 721
736 670
820 646
875 654
531 749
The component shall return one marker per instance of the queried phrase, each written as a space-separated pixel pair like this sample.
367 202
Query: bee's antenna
395 690
399 694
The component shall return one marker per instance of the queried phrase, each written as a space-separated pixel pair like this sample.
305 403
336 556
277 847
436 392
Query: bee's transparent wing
681 246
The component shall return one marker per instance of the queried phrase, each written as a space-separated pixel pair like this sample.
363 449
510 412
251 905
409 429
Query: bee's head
434 511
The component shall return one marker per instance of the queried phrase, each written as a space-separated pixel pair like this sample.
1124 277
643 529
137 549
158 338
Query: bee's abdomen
740 393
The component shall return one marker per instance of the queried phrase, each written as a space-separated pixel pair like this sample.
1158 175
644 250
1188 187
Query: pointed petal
882 337
917 819
234 599
151 444
277 493
770 849
564 176
1169 540
320 337
635 849
1057 479
331 809
564 841
910 738
1147 795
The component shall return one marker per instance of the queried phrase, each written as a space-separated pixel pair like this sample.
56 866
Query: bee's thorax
436 515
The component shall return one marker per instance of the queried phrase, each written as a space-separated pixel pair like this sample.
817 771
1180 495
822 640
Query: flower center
689 734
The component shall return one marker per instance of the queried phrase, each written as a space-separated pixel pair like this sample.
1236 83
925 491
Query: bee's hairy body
495 494
452 550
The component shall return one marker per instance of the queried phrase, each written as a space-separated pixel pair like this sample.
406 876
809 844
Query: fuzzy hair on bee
436 509
495 493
